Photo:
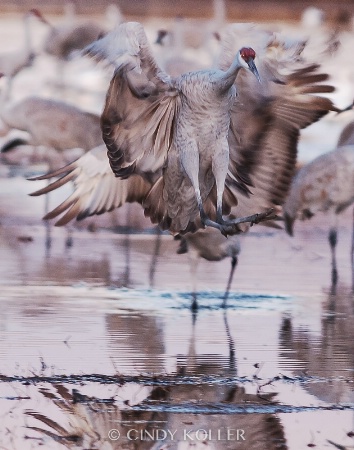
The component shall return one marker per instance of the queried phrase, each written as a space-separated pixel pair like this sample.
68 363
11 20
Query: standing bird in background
326 184
199 145
51 123
69 38
62 41
346 137
54 124
12 62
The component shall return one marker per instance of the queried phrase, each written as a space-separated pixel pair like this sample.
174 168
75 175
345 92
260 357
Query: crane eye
247 53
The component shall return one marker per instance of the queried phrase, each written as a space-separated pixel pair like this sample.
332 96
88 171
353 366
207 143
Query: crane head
246 58
161 34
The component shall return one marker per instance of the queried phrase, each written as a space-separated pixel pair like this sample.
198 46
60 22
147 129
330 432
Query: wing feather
96 189
141 102
268 116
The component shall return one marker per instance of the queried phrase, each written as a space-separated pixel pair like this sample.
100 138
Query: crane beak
253 69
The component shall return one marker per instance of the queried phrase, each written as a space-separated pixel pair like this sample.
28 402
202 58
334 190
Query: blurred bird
64 41
12 62
156 126
347 135
191 44
51 123
54 124
212 246
326 184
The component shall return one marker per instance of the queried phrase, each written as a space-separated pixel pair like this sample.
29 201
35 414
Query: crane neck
27 34
229 76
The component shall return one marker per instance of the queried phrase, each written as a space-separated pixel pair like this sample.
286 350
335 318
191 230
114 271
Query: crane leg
234 261
352 254
194 262
333 239
190 163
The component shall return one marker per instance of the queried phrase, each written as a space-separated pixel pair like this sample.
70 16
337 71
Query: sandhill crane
325 184
212 246
346 136
96 191
157 126
51 123
12 62
190 45
54 124
65 40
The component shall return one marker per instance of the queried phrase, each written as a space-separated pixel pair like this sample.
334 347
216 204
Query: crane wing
141 103
267 117
96 189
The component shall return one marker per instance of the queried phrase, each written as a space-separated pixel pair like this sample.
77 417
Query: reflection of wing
97 190
267 117
141 103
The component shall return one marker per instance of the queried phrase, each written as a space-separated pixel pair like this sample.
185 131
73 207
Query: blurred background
238 10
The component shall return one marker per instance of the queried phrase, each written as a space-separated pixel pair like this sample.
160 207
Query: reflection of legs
231 342
332 238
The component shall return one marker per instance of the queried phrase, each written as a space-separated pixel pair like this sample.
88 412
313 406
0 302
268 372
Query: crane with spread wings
208 140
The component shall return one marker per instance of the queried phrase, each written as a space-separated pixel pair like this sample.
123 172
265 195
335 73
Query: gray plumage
63 40
53 123
347 135
326 184
190 136
96 189
199 145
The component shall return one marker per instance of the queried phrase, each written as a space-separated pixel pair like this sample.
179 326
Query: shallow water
92 342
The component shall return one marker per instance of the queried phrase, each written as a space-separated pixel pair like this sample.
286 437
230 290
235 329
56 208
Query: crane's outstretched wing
141 103
96 189
267 117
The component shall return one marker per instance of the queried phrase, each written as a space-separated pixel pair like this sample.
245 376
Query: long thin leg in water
194 261
352 254
332 238
155 256
69 242
234 261
48 226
